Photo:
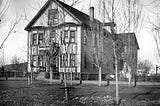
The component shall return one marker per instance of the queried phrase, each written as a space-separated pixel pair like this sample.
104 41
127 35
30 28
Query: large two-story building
58 25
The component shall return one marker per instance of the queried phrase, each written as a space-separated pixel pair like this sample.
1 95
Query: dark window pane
53 36
72 60
65 36
53 16
40 60
85 40
61 37
40 38
63 60
72 36
34 62
85 61
34 39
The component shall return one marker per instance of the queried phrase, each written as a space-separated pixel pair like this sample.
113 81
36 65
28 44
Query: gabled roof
80 16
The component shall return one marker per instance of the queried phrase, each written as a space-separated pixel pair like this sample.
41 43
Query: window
53 17
62 38
34 39
85 40
63 60
72 60
34 63
72 36
120 64
40 60
85 61
40 38
55 20
53 36
133 56
65 36
42 52
95 40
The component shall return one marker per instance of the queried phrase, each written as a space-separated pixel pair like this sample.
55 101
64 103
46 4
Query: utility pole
115 54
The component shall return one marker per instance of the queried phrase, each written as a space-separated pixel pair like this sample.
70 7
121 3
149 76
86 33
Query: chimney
91 13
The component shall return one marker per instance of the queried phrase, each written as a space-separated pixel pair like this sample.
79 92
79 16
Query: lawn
41 93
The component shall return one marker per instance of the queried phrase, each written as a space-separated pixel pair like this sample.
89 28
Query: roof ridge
83 17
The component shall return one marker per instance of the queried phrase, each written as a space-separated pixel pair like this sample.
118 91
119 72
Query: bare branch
13 25
4 5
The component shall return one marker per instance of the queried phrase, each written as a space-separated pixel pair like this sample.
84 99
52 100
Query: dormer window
53 16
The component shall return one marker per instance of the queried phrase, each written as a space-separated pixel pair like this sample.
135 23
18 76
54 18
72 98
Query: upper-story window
34 39
85 61
85 40
53 36
53 16
40 38
65 36
72 36
62 38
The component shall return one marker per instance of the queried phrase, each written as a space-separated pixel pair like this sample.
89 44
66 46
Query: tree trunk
80 78
116 72
129 76
61 78
66 94
65 85
15 73
135 80
100 76
71 77
31 76
29 80
51 76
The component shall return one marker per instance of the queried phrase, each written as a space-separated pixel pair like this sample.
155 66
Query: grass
40 93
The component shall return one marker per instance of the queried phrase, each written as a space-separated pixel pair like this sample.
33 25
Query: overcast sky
17 42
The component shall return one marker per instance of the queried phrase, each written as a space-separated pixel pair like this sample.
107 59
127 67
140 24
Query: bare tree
127 15
2 58
4 5
155 28
11 30
130 19
13 22
144 67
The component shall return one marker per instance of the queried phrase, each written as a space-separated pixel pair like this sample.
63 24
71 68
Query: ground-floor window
40 60
68 60
34 61
64 60
72 60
